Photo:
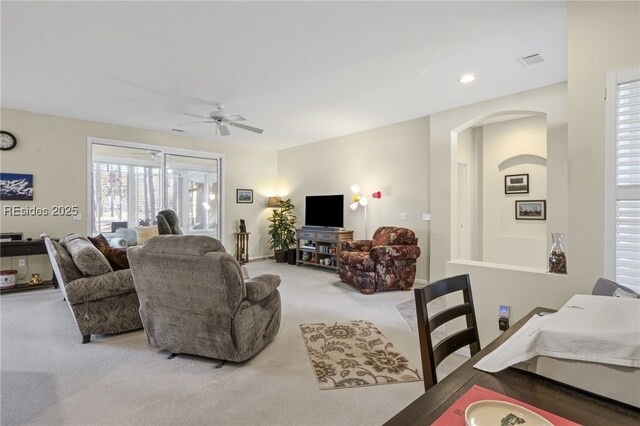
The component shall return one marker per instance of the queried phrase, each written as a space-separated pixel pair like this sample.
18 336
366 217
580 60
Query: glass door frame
164 151
218 186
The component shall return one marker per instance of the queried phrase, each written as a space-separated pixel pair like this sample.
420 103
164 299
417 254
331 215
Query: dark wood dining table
573 404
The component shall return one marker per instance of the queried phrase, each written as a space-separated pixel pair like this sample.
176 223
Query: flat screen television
325 211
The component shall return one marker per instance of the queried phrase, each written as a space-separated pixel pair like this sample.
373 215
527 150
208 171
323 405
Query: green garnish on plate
511 420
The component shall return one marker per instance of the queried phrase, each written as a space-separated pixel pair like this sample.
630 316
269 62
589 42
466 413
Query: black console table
25 248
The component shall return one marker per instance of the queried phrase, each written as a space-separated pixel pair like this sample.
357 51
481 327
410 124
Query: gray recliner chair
167 221
605 287
194 299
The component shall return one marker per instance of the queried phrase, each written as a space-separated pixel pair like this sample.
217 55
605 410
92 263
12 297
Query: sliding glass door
130 185
192 190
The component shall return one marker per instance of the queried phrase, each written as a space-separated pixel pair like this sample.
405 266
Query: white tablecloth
587 328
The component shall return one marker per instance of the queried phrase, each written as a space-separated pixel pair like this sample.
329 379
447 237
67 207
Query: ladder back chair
432 355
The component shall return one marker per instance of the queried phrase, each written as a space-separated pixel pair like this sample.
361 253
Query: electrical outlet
404 216
426 217
503 324
22 262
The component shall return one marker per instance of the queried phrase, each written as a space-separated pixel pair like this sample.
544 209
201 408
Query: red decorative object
377 194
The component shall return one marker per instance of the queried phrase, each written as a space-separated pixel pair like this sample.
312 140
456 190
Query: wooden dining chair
433 355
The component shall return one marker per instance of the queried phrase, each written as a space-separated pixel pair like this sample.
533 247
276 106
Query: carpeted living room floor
50 378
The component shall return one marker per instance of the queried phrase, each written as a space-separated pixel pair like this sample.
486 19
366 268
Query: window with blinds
627 178
131 184
124 193
110 195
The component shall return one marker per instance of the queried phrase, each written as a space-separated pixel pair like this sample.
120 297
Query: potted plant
282 229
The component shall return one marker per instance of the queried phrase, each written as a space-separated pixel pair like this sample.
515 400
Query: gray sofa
194 299
102 301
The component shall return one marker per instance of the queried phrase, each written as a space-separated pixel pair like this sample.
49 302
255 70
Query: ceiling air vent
529 60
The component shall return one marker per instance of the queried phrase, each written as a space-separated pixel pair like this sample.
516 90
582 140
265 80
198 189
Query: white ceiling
303 71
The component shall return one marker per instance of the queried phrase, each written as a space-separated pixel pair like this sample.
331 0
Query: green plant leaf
282 227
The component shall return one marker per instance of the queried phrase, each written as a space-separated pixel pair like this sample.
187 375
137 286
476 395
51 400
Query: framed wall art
516 184
244 195
531 209
16 187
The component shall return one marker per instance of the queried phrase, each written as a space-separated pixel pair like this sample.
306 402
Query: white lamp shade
364 201
355 188
353 206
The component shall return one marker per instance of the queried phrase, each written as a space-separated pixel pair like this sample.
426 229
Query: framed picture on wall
244 195
16 187
531 209
516 184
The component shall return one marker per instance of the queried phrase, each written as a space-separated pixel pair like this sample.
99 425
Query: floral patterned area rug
354 353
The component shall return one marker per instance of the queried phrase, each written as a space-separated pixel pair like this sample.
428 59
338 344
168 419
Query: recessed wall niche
485 151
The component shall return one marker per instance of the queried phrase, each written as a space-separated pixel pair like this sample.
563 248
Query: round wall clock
7 141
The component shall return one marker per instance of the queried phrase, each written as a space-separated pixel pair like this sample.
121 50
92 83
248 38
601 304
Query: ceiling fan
147 153
221 120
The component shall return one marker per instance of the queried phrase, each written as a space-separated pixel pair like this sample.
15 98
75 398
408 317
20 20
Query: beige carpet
407 311
354 353
50 378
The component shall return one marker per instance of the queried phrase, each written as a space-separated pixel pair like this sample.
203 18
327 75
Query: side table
25 248
242 247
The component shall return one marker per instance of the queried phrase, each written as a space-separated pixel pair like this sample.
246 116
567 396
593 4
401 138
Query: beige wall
602 37
549 100
391 159
54 150
594 48
410 162
505 239
519 287
493 284
466 246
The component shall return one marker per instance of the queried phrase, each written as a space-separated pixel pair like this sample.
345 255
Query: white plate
489 412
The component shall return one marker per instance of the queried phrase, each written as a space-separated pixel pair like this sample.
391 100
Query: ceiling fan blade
190 123
249 128
196 115
224 131
234 118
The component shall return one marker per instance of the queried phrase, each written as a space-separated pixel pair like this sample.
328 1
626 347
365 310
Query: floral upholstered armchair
386 262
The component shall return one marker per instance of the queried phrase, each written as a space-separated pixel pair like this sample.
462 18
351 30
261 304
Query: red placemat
455 414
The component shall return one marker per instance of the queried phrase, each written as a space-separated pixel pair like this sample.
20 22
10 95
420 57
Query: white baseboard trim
266 256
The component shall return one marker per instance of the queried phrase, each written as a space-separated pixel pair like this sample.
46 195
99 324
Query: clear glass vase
557 257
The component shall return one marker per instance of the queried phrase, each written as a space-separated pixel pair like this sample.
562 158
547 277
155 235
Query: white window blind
110 195
147 195
131 183
124 193
627 183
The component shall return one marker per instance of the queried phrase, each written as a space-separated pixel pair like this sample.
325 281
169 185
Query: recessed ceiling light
467 78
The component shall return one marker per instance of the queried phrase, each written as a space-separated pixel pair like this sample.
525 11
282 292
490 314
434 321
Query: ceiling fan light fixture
221 120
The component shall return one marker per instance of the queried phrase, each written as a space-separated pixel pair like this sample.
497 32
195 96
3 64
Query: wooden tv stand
316 245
